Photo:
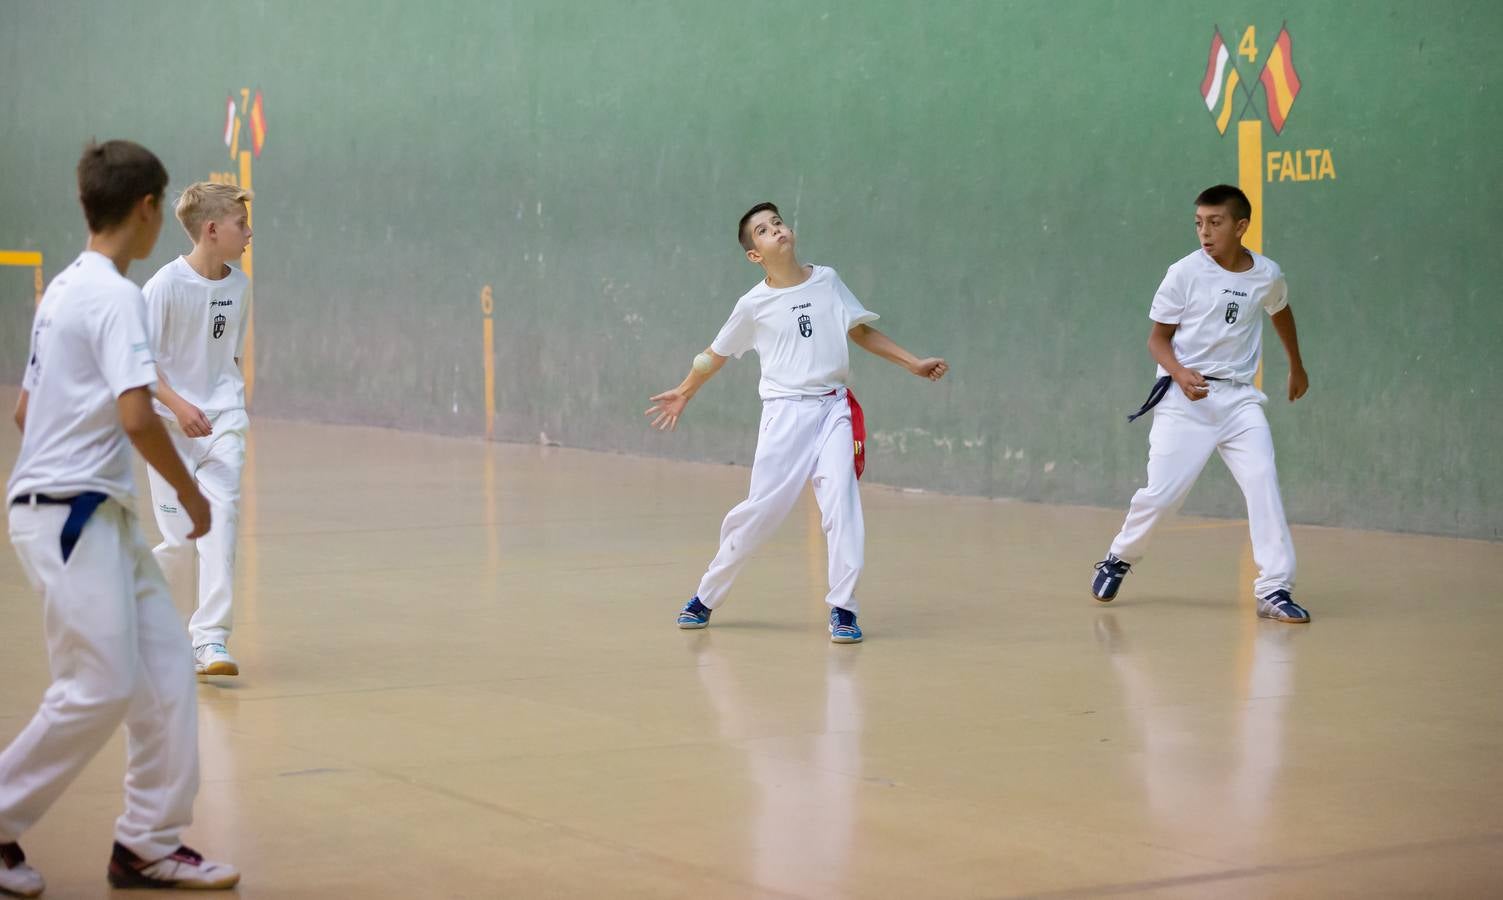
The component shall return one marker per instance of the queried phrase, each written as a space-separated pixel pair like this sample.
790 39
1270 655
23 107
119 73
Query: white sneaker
214 659
16 877
186 869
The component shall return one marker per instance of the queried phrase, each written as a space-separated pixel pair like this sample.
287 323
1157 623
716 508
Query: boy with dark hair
798 319
114 642
1207 340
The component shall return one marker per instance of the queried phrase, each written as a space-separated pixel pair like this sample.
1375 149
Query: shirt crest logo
1231 312
805 325
219 321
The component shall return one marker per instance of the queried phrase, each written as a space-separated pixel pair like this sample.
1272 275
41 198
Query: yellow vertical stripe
247 264
488 346
1226 104
1250 179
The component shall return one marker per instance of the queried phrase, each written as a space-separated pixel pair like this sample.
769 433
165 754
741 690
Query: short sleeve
29 378
121 347
855 313
155 293
245 318
1168 306
1277 297
738 334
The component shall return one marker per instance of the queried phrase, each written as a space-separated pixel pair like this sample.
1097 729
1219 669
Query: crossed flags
1223 84
257 125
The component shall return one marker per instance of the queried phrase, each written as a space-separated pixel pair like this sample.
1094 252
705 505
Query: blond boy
196 311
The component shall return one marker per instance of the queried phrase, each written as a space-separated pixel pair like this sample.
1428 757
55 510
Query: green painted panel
1004 181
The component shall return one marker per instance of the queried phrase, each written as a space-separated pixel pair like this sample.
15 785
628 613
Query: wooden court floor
461 678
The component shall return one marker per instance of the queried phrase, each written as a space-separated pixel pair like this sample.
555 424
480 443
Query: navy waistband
1157 392
81 508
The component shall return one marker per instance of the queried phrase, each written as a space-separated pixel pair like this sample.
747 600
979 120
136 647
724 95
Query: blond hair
205 201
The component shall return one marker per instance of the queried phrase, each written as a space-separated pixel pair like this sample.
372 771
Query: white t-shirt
88 346
1219 335
197 329
798 332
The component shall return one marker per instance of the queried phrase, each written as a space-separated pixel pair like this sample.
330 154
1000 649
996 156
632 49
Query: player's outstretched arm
149 436
21 402
875 342
1161 348
1299 379
669 405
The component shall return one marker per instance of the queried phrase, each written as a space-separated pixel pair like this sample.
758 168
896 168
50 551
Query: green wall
1004 181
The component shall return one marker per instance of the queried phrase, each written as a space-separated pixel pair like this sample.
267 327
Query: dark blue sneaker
1281 607
843 627
1109 575
695 615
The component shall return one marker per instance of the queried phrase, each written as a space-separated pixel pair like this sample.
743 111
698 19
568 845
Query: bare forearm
170 398
21 403
1283 323
697 379
878 344
1161 348
150 437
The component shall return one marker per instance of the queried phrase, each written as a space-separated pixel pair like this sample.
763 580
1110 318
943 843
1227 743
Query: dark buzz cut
112 177
741 235
1229 196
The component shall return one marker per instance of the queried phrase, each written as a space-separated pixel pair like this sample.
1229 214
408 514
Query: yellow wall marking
26 259
488 339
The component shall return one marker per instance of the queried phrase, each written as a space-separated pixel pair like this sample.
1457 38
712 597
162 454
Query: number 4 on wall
1248 46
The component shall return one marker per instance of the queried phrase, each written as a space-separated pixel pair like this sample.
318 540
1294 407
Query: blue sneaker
695 615
843 627
1109 575
1281 607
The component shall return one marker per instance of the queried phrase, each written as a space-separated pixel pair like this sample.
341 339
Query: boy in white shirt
196 309
797 319
114 641
1207 339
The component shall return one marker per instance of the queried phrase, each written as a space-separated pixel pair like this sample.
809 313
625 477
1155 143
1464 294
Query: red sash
858 432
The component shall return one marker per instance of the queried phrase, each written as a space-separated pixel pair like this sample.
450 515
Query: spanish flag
258 125
1280 81
1220 84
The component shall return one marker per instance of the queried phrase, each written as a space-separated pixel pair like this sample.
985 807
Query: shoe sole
139 883
1101 599
220 668
692 626
1286 620
17 892
845 640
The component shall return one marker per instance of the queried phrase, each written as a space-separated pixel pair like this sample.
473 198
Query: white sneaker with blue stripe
1281 607
843 627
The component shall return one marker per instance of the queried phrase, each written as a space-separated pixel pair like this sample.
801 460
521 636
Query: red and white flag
229 121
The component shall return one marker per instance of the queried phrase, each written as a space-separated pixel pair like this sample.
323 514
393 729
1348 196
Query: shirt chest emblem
1232 308
805 324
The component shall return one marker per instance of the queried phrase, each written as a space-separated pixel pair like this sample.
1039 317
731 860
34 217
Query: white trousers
801 440
116 650
1229 420
202 572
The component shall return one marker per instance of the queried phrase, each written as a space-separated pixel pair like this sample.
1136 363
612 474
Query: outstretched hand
667 407
932 368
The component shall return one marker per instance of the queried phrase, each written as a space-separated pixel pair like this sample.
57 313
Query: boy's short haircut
1228 196
205 201
112 177
741 235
